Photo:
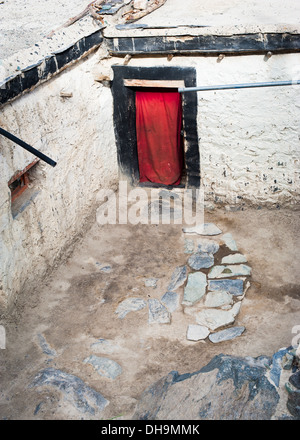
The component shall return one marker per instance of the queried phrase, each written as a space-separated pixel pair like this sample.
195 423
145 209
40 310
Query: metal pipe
239 86
27 147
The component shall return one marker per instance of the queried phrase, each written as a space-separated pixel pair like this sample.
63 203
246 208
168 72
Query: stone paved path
214 290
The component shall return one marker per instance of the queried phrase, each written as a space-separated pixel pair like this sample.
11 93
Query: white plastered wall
248 139
77 133
248 143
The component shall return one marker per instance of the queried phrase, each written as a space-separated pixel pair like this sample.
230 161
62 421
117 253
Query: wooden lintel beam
153 83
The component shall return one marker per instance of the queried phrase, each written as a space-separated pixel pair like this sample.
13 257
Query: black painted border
34 75
243 44
124 118
206 44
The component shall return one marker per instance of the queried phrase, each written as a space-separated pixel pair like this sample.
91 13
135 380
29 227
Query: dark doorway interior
126 131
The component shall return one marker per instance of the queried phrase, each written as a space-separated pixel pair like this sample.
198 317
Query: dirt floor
76 305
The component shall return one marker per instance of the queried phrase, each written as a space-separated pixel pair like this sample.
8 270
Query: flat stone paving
216 302
209 289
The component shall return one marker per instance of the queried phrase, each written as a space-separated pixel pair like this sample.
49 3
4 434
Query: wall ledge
32 76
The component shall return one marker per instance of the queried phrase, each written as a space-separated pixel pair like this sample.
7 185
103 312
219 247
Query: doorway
159 135
126 83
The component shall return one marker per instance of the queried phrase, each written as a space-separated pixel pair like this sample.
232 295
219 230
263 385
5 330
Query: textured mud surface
53 367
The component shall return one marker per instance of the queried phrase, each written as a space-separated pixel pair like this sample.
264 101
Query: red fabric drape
158 126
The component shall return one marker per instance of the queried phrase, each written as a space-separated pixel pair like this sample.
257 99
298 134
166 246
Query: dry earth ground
75 306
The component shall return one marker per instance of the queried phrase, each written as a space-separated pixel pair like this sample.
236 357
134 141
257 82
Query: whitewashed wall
76 132
248 140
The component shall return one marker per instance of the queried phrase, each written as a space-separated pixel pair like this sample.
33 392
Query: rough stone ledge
227 388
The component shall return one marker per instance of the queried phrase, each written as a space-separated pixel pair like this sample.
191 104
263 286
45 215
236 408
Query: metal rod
239 86
27 147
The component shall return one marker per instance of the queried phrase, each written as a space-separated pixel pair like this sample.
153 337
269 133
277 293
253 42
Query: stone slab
196 332
105 367
230 242
207 245
230 270
293 402
215 318
235 287
195 288
218 299
295 379
188 246
276 368
288 360
226 335
171 301
45 346
201 261
158 313
203 229
130 305
227 388
178 278
80 395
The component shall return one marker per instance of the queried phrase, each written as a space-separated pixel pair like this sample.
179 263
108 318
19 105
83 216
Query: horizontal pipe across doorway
239 86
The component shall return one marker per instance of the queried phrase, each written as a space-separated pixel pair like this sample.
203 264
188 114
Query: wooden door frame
125 118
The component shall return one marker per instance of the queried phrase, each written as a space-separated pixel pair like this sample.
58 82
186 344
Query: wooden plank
18 174
153 83
135 14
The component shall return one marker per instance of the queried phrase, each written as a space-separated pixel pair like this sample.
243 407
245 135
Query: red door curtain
158 127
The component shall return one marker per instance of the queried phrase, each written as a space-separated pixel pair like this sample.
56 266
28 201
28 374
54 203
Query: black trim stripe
205 44
34 75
